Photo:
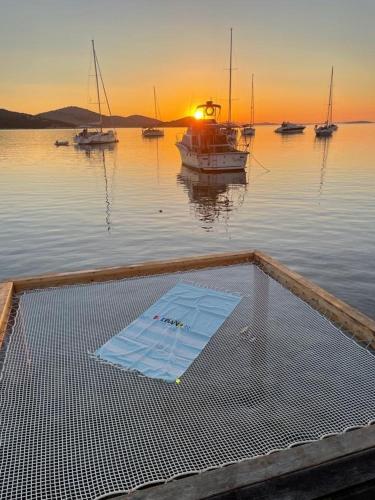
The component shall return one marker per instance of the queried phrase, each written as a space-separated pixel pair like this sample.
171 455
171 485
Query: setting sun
198 115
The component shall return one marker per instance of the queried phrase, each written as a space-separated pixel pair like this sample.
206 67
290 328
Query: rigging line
260 164
105 92
97 84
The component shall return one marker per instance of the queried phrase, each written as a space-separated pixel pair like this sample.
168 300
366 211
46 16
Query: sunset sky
182 47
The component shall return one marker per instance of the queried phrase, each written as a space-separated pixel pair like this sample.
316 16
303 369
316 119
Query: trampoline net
276 373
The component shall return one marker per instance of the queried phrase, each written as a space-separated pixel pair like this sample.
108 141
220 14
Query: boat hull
297 130
92 138
324 133
152 133
248 131
213 162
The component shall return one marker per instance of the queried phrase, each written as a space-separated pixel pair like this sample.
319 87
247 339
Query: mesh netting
276 373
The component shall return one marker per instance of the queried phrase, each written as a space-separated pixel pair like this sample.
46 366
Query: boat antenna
331 95
329 112
252 100
97 83
156 112
230 79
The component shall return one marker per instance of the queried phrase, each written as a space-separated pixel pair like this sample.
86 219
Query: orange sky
289 45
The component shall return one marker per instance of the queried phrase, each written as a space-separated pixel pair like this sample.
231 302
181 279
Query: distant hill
357 121
13 120
73 116
186 121
80 116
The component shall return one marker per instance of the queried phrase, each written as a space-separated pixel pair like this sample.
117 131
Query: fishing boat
61 143
93 133
229 128
328 127
153 131
249 129
290 128
204 146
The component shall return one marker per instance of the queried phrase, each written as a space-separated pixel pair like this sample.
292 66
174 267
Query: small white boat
249 129
328 127
97 135
61 143
290 128
153 131
205 147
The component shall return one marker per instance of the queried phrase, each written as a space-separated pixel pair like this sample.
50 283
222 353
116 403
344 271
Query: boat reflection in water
322 143
97 156
213 196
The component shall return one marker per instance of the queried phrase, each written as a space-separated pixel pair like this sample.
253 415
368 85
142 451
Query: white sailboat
205 147
153 131
249 129
229 128
328 127
92 134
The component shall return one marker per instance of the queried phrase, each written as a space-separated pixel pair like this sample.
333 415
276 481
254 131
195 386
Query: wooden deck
309 471
345 316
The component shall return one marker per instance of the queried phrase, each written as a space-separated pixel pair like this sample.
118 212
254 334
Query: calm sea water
314 208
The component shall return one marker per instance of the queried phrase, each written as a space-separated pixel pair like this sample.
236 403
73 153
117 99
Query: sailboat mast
252 100
329 112
230 81
331 92
156 113
97 84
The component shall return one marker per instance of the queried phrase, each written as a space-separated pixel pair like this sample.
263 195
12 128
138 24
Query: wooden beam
259 470
6 294
143 269
345 316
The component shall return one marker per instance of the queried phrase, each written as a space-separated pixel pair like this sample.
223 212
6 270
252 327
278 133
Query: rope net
276 374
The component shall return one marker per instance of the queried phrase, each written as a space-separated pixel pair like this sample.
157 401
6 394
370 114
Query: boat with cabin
153 131
328 127
204 146
249 129
93 134
290 128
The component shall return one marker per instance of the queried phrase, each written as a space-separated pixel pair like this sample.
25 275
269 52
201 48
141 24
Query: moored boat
61 143
94 133
153 131
249 129
290 128
205 147
328 127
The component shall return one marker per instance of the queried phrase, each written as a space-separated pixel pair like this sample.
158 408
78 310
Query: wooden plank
352 476
250 472
6 294
143 269
345 316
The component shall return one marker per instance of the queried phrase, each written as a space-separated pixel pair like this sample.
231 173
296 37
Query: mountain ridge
81 116
74 116
15 120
